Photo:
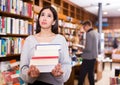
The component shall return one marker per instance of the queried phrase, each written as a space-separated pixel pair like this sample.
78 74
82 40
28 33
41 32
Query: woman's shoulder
30 37
59 36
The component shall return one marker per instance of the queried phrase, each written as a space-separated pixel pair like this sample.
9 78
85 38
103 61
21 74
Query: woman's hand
57 71
33 71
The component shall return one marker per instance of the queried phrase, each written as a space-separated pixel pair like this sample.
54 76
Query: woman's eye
49 15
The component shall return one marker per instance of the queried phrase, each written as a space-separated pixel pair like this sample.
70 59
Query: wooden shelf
13 35
78 16
72 14
46 3
30 1
65 5
15 16
78 10
72 8
10 57
36 2
65 12
58 2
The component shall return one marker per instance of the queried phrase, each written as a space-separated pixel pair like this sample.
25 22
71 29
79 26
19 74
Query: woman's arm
65 62
24 62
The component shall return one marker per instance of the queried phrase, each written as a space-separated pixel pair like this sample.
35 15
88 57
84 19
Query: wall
114 24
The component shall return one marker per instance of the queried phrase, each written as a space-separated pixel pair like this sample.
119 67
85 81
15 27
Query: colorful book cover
2 81
11 78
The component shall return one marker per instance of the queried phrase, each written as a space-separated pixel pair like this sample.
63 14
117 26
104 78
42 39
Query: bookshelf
18 13
16 23
109 37
10 57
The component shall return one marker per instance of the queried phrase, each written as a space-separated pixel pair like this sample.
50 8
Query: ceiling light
105 13
107 4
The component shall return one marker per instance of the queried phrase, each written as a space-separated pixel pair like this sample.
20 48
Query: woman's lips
44 23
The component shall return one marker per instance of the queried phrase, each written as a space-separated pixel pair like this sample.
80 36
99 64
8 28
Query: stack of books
45 56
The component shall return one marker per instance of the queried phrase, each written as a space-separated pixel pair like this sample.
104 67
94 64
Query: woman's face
46 19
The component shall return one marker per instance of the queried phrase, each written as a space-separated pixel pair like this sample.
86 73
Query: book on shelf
9 25
11 77
45 56
2 81
18 7
11 45
9 73
114 81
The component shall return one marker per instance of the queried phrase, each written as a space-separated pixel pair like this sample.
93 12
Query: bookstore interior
18 21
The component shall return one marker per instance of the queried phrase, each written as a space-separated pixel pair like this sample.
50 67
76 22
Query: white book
26 27
46 53
45 56
48 46
17 26
22 26
20 6
37 61
17 6
8 24
14 26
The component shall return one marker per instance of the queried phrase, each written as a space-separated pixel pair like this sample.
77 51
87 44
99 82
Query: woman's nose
44 18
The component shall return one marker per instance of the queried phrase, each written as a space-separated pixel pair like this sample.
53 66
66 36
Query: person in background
75 42
46 32
115 43
90 53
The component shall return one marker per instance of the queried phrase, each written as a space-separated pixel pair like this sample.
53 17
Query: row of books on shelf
10 45
112 34
108 38
10 25
9 73
69 31
67 24
16 7
35 22
114 81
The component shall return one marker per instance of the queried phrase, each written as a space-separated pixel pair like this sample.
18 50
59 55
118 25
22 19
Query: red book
10 78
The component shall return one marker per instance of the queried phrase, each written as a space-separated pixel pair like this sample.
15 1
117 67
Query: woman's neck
45 36
46 33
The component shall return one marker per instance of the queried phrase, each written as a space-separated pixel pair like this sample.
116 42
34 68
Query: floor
107 73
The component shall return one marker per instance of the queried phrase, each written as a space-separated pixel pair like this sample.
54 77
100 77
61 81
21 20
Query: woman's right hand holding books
33 71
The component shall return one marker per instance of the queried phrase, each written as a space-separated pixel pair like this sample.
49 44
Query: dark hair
88 22
55 16
74 33
115 43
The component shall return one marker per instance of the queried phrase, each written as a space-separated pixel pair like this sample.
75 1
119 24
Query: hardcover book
45 56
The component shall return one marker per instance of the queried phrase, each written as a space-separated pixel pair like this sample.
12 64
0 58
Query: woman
46 32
